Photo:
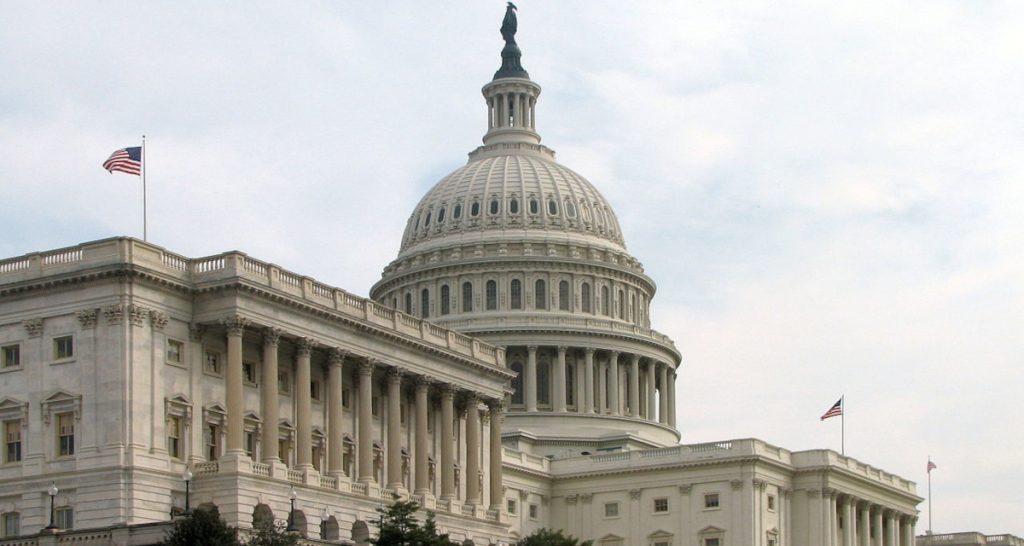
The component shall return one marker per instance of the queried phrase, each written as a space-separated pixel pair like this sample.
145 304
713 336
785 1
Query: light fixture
53 493
292 495
187 476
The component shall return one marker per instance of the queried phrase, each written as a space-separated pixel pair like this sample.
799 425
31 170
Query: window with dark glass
492 295
513 206
540 294
516 293
563 295
11 356
552 207
440 215
408 304
605 303
544 382
427 221
517 382
585 297
495 206
570 385
457 212
474 209
445 303
534 206
622 305
467 297
65 434
12 441
570 209
425 303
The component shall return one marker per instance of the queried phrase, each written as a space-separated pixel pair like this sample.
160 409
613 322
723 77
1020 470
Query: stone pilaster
268 396
560 386
651 391
588 380
663 393
613 382
634 386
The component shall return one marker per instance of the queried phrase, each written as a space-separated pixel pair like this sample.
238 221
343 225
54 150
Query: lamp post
292 495
53 493
187 476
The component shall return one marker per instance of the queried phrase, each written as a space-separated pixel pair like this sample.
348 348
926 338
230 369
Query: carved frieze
114 313
87 318
158 319
137 314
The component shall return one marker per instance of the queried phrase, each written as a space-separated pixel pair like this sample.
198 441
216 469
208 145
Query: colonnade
851 521
396 380
605 382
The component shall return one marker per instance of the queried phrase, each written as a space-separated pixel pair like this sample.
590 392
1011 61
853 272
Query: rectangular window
662 543
12 524
12 441
284 382
314 390
212 439
282 451
534 510
711 500
175 350
510 506
660 506
63 347
346 398
403 412
611 509
174 437
771 503
65 434
712 542
772 542
64 517
10 356
375 405
211 363
249 372
250 443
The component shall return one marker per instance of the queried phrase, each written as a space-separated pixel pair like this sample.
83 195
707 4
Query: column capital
395 374
495 405
422 382
448 390
636 358
614 355
589 351
635 493
562 349
759 484
272 336
827 491
235 324
366 367
531 348
685 488
813 493
336 356
305 345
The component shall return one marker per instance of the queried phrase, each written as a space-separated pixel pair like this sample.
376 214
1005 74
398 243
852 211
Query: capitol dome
524 253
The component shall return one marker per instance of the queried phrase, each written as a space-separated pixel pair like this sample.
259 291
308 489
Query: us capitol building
504 374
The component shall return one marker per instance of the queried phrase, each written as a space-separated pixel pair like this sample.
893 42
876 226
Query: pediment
286 424
710 529
179 398
252 416
610 538
61 401
12 408
660 533
61 396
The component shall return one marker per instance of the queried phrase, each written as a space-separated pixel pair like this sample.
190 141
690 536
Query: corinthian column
559 394
335 427
651 390
395 429
634 387
233 382
473 450
890 531
588 381
447 442
848 526
864 525
531 378
602 386
876 518
366 422
663 394
672 398
613 382
422 442
268 395
303 402
494 472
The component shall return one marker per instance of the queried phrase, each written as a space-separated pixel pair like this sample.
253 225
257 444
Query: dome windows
534 206
495 207
585 212
516 290
513 206
440 215
474 209
492 295
467 297
457 212
540 293
570 209
427 221
552 207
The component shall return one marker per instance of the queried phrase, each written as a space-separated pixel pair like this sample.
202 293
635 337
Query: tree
201 528
399 527
547 537
271 533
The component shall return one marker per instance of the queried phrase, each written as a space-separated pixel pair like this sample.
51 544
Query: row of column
659 391
335 423
849 521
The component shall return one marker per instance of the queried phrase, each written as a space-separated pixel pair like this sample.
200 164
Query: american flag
835 410
931 466
125 160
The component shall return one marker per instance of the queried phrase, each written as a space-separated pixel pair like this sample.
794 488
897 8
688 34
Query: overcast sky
829 194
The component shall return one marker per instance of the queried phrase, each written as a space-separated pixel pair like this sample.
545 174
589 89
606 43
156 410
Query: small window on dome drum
440 216
563 295
427 221
492 295
513 206
445 300
534 206
467 297
552 207
474 209
570 209
495 206
516 291
457 212
585 212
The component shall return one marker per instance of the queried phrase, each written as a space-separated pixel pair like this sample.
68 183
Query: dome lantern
511 96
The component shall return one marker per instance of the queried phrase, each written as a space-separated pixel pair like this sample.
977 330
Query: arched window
632 307
492 295
563 295
467 297
534 206
552 207
516 294
570 385
457 212
585 212
513 206
440 215
474 209
585 297
517 382
540 294
570 209
495 206
622 305
544 382
408 304
605 303
425 303
445 303
427 221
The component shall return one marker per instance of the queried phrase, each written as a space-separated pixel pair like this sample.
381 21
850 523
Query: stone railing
505 321
237 265
205 469
973 538
669 455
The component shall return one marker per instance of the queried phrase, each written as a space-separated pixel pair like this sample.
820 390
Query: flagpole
929 495
145 232
842 428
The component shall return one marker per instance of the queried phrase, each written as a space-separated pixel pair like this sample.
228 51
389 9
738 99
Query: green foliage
547 537
201 528
398 527
271 533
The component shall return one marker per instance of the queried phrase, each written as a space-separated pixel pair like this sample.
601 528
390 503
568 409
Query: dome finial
510 54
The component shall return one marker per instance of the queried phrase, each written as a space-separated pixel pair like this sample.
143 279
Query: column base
236 462
425 499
